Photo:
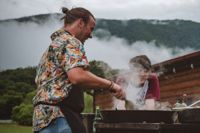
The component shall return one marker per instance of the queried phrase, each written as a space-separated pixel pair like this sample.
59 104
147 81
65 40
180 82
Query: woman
142 86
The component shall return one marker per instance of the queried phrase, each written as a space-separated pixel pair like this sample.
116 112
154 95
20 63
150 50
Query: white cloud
22 45
116 52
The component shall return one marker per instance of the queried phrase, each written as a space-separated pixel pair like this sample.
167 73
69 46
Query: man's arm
84 78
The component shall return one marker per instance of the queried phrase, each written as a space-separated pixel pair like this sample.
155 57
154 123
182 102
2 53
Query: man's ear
81 23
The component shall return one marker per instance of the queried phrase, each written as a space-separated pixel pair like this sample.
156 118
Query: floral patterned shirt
64 53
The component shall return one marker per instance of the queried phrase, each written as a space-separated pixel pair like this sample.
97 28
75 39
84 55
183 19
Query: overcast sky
110 9
22 44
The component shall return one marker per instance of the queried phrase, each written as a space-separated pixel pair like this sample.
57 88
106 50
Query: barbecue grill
146 128
145 121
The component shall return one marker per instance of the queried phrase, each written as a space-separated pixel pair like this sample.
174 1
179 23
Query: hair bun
65 10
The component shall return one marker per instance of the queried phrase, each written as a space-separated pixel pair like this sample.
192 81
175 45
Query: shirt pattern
65 52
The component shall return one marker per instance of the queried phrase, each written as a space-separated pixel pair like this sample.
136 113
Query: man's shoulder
63 35
57 33
68 40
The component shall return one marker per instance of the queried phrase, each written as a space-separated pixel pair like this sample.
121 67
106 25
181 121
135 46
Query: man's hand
118 91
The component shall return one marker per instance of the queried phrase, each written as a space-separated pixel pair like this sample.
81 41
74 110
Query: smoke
22 45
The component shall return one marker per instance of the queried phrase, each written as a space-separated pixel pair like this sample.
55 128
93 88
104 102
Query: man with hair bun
63 73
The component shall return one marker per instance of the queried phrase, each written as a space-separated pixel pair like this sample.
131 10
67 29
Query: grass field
14 128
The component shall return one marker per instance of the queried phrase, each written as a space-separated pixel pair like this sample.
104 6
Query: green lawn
14 128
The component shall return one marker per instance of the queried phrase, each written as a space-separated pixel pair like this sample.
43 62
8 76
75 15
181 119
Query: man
63 73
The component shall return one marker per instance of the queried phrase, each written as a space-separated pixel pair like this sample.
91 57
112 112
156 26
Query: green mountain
171 33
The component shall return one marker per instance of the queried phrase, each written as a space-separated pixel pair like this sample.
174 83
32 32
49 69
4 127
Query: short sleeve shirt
154 88
64 53
153 91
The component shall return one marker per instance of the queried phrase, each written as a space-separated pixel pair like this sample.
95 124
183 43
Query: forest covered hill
171 33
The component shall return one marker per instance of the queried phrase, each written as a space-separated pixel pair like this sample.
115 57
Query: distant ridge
169 33
41 18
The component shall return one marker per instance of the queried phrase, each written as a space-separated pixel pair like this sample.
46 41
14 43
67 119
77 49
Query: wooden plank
179 86
181 78
176 93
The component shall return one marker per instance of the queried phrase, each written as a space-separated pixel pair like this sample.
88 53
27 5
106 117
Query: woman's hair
76 13
141 60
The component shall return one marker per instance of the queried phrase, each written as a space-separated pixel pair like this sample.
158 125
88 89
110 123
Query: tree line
17 89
